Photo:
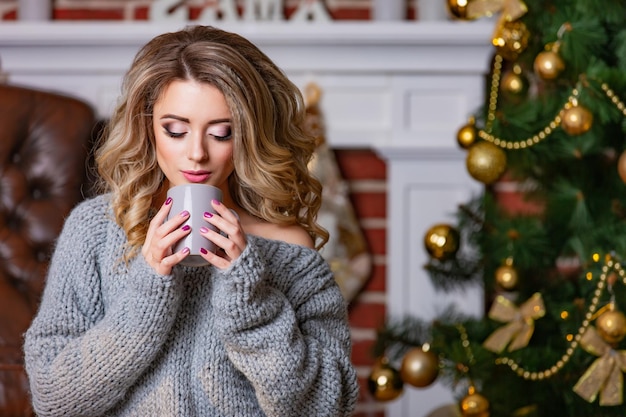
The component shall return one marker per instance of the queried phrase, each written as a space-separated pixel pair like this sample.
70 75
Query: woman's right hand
162 236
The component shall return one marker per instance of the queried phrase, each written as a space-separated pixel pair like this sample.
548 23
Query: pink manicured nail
208 215
216 202
184 213
168 201
204 229
185 250
186 227
204 251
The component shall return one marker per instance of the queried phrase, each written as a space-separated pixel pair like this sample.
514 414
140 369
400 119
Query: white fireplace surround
400 88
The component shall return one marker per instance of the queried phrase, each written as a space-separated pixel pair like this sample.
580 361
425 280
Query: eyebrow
186 120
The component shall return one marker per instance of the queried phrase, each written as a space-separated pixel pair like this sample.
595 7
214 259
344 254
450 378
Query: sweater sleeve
82 353
292 341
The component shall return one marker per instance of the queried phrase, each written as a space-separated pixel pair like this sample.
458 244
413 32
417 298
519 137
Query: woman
123 329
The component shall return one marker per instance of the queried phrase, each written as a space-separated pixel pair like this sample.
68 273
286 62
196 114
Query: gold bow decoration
509 10
604 376
521 323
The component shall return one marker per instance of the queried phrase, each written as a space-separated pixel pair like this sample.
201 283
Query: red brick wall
362 169
366 175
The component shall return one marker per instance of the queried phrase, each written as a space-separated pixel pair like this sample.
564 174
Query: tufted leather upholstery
44 146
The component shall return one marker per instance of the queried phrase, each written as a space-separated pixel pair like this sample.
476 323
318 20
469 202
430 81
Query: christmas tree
551 342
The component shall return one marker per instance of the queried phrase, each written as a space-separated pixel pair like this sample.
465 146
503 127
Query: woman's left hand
231 243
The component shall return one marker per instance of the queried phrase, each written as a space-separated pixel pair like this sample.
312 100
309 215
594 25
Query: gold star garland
610 265
546 131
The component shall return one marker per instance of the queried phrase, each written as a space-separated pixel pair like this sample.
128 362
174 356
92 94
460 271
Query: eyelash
173 134
180 135
223 138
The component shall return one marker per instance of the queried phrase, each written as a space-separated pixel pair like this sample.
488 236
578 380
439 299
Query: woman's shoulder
291 234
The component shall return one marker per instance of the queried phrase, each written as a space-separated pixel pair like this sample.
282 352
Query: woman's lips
196 176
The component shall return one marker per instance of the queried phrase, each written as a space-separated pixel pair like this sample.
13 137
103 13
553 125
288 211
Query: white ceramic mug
196 199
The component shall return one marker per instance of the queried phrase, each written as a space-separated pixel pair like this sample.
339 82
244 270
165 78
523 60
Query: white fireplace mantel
385 84
400 88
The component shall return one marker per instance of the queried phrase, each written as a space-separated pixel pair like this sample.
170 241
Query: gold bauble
576 120
419 368
474 405
467 135
549 64
611 326
621 166
384 382
506 277
485 162
514 84
442 241
511 39
458 9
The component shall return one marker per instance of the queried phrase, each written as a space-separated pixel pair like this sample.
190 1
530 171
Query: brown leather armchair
45 141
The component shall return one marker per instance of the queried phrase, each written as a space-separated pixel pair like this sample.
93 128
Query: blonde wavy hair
271 151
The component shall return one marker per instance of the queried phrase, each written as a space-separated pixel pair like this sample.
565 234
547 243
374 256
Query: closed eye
220 132
174 134
175 129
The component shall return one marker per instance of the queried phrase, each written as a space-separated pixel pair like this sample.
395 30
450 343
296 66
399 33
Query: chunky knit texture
266 337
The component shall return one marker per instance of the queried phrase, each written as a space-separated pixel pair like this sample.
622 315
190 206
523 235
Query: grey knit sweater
266 337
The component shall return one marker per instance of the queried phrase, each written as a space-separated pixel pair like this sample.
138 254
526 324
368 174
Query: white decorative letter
227 7
311 10
263 10
172 10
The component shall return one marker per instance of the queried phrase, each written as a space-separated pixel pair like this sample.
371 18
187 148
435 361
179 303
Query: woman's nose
197 149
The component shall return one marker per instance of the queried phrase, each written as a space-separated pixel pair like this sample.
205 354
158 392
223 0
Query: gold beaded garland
608 268
495 86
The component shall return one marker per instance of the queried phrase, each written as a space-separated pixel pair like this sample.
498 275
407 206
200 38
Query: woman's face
192 128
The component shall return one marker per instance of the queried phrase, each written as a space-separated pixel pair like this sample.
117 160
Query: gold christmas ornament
467 135
621 166
384 382
485 162
611 326
521 323
576 120
442 241
514 84
604 376
458 9
511 39
549 64
419 367
506 275
474 405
